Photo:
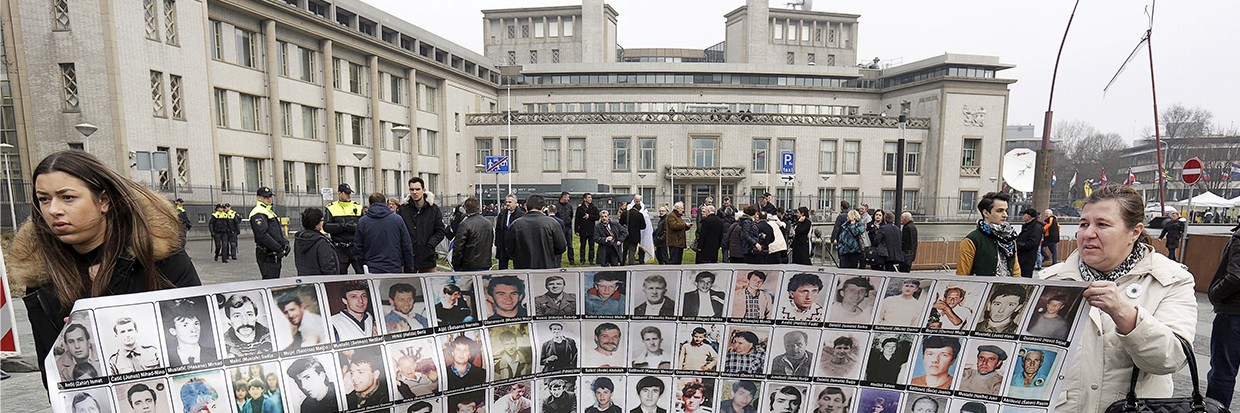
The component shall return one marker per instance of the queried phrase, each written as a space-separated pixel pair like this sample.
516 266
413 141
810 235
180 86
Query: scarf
1004 235
1138 253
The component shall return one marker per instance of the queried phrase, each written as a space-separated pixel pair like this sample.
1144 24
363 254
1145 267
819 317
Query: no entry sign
1191 171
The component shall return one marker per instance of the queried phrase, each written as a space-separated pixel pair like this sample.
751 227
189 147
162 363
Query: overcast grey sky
1195 45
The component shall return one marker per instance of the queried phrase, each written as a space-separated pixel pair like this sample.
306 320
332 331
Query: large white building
303 94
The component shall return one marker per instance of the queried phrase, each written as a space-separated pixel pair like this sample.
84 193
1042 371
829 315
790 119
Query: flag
1132 179
1054 179
647 241
1235 170
1088 190
1104 178
1073 182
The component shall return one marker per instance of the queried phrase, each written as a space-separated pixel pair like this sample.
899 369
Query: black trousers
220 239
585 243
232 245
346 259
568 236
268 264
502 255
675 255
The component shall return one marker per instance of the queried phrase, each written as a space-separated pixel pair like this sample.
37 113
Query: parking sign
788 163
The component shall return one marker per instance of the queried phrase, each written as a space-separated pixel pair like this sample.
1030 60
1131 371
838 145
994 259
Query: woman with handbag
1139 301
800 237
851 234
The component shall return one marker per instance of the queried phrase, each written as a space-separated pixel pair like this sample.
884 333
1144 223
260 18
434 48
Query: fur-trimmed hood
26 262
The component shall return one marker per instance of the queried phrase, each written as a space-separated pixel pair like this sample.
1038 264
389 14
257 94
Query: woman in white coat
1139 300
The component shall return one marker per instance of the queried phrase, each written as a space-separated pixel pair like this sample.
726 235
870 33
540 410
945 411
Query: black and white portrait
512 398
77 350
793 350
695 395
149 396
888 358
753 294
852 300
469 402
557 394
1004 308
558 345
784 398
403 305
652 345
206 391
653 293
649 394
422 406
453 298
298 317
840 354
602 394
705 294
188 331
699 347
512 352
924 403
986 365
605 346
740 396
352 310
555 294
312 384
831 398
95 400
954 305
505 297
803 297
1054 312
248 332
746 350
904 302
130 338
413 364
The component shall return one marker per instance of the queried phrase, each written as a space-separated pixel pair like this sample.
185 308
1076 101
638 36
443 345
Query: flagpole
1149 44
1045 160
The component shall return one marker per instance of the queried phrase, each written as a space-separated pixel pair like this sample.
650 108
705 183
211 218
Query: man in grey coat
472 249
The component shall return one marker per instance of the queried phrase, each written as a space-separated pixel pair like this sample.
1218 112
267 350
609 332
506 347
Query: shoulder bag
1194 404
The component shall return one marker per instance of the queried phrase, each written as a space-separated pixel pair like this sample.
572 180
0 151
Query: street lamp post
86 130
8 182
904 110
359 155
400 132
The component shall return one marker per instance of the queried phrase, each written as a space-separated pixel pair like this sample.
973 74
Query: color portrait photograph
1004 308
1054 312
746 349
506 297
352 308
188 333
250 389
403 304
454 299
740 395
605 345
753 294
512 353
937 361
986 366
130 338
604 292
878 400
465 361
1033 374
414 365
297 317
602 394
469 402
694 395
205 391
649 394
955 305
364 379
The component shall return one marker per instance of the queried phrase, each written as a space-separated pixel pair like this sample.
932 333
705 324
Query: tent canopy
1235 201
1208 200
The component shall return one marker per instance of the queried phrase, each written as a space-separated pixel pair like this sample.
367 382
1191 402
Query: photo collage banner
684 339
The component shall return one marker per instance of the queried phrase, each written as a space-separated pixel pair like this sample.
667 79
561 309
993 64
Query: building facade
300 95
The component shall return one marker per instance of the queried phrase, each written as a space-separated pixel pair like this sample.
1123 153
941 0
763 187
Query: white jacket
780 243
1101 370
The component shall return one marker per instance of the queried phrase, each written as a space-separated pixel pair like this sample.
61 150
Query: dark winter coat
382 243
634 221
887 243
1172 231
536 241
501 230
585 218
1225 287
676 230
313 254
1027 244
710 238
566 215
617 233
426 230
800 241
474 239
908 241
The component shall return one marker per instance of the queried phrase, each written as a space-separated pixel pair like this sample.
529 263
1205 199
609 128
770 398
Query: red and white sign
1192 171
8 333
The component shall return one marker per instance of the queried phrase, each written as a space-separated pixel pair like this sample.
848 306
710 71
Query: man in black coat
726 213
425 224
564 212
1173 231
536 241
1029 241
609 235
634 221
710 235
840 220
474 238
888 243
505 219
583 221
908 242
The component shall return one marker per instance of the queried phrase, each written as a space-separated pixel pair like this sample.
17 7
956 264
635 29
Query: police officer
182 215
271 246
221 226
236 230
341 222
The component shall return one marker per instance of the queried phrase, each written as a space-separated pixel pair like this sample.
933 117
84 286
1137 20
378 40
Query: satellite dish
1018 169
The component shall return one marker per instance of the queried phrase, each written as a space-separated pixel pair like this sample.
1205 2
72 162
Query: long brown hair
1131 206
126 235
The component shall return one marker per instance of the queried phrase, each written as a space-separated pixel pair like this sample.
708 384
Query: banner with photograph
682 339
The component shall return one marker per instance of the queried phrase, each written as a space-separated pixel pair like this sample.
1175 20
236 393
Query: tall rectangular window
852 157
178 96
555 55
508 147
309 122
483 147
791 58
551 154
512 57
217 40
826 156
165 176
512 31
533 56
968 200
889 157
568 28
308 59
576 154
60 15
779 30
810 59
912 200
538 29
620 153
282 57
912 158
170 22
705 152
428 142
525 31
553 27
286 119
761 154
340 127
225 172
182 166
254 173
357 126
312 177
646 154
427 97
290 177
336 73
397 85
246 48
250 112
785 145
69 87
969 151
851 195
826 199
221 108
151 16
157 94
889 200
355 78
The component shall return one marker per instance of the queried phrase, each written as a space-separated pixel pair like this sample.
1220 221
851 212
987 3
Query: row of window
696 79
602 107
817 33
938 72
810 59
175 96
543 26
151 16
512 57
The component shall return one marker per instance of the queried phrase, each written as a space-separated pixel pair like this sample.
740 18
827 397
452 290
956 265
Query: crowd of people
93 232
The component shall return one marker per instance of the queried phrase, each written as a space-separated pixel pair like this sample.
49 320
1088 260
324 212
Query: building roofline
389 20
948 59
666 67
773 11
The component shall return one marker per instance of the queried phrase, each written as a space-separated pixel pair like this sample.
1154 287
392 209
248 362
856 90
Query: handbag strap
1198 400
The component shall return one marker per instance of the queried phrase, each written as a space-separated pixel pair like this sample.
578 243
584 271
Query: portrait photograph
469 402
423 406
244 321
250 390
402 301
888 359
740 395
705 293
852 299
840 354
753 294
792 351
955 305
694 395
96 400
802 297
465 361
454 300
312 383
604 293
150 396
1054 312
558 345
557 394
652 345
352 311
1004 308
1010 409
297 317
605 345
747 349
830 398
654 293
512 352
784 398
925 403
415 367
505 297
77 350
187 329
512 398
938 358
602 394
986 366
904 302
205 391
1032 374
878 400
649 394
555 295
130 337
699 347
364 379
973 406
